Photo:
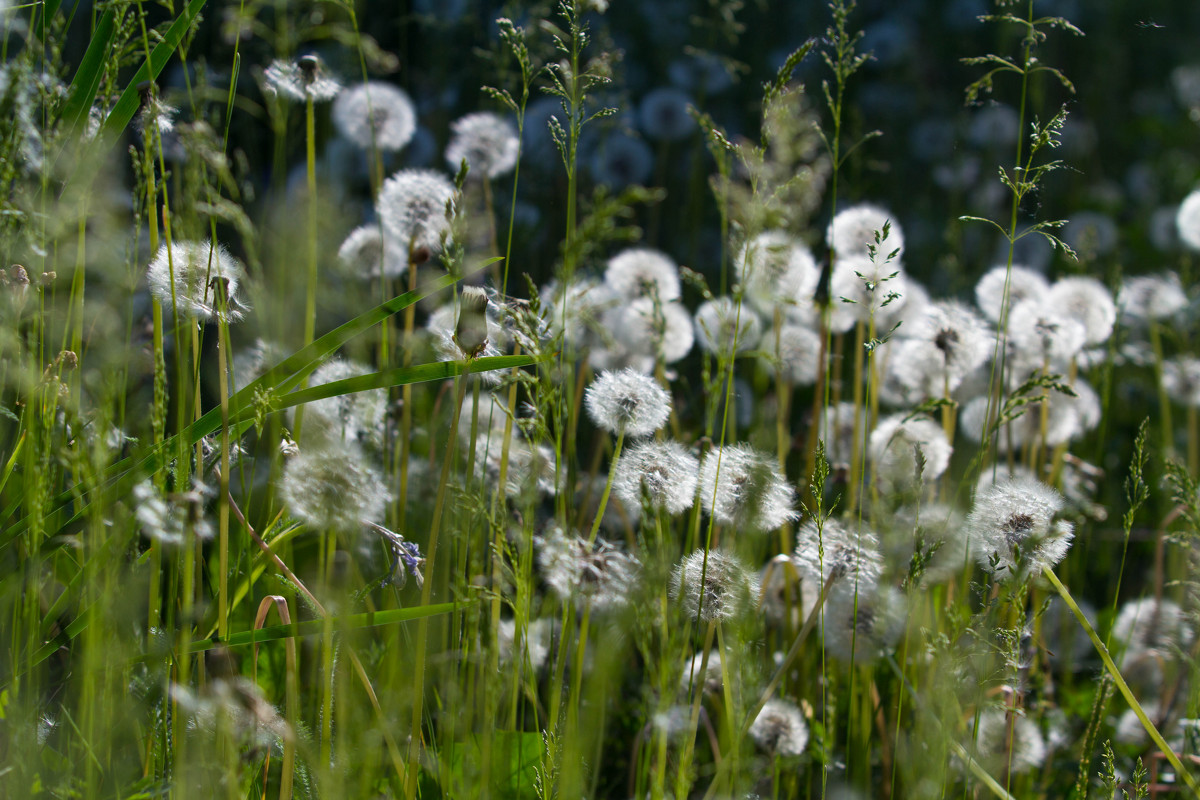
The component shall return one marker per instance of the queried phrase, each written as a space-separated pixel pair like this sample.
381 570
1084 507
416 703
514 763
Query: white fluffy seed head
718 586
1040 334
862 626
1187 221
1087 301
597 575
333 489
301 80
1150 298
663 114
743 487
861 288
907 454
412 205
780 728
962 338
488 142
640 272
199 279
365 253
648 328
834 552
356 417
1024 283
723 323
1153 626
795 351
1008 742
1013 528
853 229
1181 379
627 402
375 114
777 269
663 473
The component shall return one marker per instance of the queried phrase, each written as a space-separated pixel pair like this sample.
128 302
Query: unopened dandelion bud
471 330
49 278
19 277
68 359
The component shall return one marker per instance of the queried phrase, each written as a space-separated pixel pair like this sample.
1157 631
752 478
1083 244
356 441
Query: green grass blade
82 92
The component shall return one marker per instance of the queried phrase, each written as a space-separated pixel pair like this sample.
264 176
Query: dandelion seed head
853 229
301 80
962 338
780 728
940 531
205 281
622 160
333 488
663 114
1087 301
665 474
365 253
597 575
862 626
534 644
646 328
355 417
1040 334
743 487
412 204
641 272
488 142
172 519
721 323
898 445
375 114
1181 379
1008 742
579 313
837 432
1025 283
718 587
1150 298
710 681
777 269
1153 626
796 352
833 551
1187 221
627 402
1013 530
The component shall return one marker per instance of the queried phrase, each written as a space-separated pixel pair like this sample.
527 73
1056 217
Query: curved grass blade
82 92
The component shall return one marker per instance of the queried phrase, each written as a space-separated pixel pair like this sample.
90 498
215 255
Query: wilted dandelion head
645 327
155 115
1153 626
366 254
597 575
1187 221
1087 301
627 402
664 116
1013 529
333 489
795 351
301 80
487 142
862 626
743 487
664 474
716 585
853 230
907 454
780 728
641 272
413 206
723 323
375 115
1148 298
1181 379
1007 742
777 269
1025 283
834 552
199 279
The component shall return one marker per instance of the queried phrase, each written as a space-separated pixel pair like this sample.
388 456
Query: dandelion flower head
664 473
1148 298
413 206
780 728
664 116
1087 301
1012 527
716 585
862 626
333 488
199 279
596 574
796 351
777 269
301 80
898 446
641 272
368 254
652 329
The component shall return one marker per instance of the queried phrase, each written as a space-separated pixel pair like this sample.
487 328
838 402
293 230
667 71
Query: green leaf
82 91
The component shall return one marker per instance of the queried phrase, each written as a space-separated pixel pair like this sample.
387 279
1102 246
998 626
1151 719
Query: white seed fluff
743 487
412 205
665 473
204 276
375 114
627 402
1016 519
487 142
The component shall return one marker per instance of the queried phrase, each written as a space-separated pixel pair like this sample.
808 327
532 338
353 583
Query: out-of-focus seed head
648 328
795 351
375 115
413 206
907 454
486 141
1024 283
1087 301
864 625
333 489
777 269
1151 298
366 254
1187 221
641 272
724 326
199 279
853 230
831 551
597 575
1181 379
780 728
302 80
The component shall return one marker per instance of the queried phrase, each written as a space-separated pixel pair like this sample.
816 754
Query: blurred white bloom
853 230
1087 301
333 489
780 728
899 445
1024 283
641 272
486 141
366 254
1181 379
199 279
1149 298
743 487
627 402
665 473
375 114
413 207
795 351
777 269
596 575
716 585
834 552
302 80
722 322
664 116
862 626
